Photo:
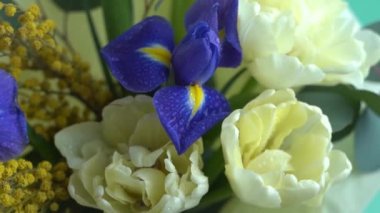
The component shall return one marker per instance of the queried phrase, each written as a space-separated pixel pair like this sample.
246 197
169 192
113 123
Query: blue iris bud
221 15
197 56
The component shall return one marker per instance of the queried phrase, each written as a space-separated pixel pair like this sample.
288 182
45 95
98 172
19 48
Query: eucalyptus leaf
374 74
341 110
367 142
77 5
371 99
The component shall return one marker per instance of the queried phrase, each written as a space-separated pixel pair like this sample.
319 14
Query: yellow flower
305 42
278 151
126 163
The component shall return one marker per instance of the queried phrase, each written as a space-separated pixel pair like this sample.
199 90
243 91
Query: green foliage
179 9
374 74
367 143
76 5
341 104
46 150
341 109
118 16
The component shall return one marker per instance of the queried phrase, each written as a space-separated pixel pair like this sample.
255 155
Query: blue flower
141 59
13 128
221 15
196 58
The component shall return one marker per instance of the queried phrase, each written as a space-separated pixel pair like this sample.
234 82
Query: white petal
250 188
121 116
149 133
142 157
79 193
281 71
237 206
70 141
340 166
371 42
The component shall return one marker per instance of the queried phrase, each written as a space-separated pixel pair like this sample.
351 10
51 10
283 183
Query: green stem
232 80
107 74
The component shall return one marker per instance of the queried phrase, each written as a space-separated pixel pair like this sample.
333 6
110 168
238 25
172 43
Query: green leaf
367 143
118 16
76 5
179 9
350 95
106 73
371 99
341 109
45 150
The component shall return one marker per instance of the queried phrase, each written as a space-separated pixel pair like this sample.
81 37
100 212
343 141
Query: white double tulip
292 43
126 163
278 152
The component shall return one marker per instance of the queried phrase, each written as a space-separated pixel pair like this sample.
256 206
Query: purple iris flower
201 45
13 128
221 15
141 59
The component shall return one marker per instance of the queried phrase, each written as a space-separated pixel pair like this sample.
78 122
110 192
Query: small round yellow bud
54 207
10 10
6 200
45 165
31 208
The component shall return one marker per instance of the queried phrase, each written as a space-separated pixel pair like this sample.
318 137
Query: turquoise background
368 12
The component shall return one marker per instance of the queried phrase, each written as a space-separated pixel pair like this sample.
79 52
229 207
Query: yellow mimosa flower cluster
56 86
25 188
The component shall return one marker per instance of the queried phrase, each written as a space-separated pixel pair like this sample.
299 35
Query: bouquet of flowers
226 106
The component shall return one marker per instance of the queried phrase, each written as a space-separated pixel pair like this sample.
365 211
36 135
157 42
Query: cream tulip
126 163
293 43
278 152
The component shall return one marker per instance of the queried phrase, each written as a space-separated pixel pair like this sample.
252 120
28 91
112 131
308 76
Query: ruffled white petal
278 152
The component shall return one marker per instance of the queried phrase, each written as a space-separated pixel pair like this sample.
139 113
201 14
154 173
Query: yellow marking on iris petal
158 53
197 97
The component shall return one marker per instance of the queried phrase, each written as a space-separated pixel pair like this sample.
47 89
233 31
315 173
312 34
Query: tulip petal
188 112
202 10
13 130
201 45
140 58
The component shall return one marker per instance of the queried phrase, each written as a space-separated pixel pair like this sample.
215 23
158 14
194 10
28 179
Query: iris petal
188 112
140 58
197 56
226 21
13 130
